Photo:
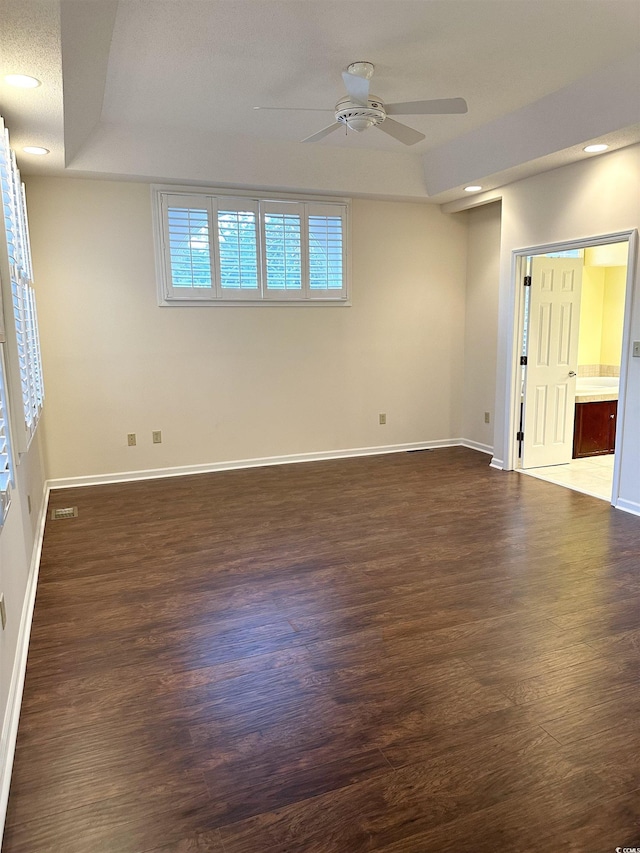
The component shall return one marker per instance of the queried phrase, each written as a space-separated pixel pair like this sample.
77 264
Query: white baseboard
475 445
14 700
628 506
207 468
498 464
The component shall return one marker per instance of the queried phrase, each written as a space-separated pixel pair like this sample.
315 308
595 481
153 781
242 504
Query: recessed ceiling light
472 188
22 81
35 149
595 149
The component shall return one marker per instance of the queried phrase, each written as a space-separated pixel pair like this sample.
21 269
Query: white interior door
552 358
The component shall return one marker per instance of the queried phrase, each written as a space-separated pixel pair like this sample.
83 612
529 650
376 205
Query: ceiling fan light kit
359 110
361 69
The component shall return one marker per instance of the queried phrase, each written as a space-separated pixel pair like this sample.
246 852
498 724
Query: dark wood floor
405 654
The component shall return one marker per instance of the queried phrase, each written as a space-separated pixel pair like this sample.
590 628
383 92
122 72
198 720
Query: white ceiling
165 89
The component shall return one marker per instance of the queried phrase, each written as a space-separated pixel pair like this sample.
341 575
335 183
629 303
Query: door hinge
527 281
519 436
523 360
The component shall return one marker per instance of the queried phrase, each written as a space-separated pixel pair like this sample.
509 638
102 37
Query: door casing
518 267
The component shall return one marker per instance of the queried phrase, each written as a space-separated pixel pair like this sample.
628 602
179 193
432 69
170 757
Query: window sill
253 303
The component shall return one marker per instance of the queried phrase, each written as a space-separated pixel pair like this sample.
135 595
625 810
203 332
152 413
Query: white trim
632 253
471 201
518 258
498 464
580 243
476 445
627 506
212 467
14 699
258 194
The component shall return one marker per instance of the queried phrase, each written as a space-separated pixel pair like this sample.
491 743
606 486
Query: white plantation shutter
26 389
225 249
188 247
283 248
19 219
6 467
19 297
8 201
27 349
28 270
237 249
34 348
327 258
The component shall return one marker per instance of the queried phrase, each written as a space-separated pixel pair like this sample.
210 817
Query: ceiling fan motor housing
357 117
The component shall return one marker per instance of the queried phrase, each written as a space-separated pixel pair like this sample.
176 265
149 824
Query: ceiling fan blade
440 106
357 87
322 133
297 109
401 132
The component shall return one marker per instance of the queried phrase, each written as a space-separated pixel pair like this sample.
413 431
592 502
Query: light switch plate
636 349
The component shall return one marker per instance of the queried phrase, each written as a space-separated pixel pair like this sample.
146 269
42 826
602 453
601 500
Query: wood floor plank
410 653
560 680
410 800
569 818
622 646
621 709
197 842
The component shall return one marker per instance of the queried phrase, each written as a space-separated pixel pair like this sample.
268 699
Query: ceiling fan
359 110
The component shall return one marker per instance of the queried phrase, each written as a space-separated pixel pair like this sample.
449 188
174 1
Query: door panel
549 390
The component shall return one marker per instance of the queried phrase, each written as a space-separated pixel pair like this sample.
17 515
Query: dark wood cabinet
594 431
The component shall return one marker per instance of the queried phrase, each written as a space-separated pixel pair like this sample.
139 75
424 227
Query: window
6 466
219 249
24 367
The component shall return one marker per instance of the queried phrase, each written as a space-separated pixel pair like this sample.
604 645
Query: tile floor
592 475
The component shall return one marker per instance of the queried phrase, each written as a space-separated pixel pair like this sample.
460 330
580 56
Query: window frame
214 200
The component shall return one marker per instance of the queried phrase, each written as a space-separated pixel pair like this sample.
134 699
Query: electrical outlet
382 418
131 439
3 612
156 436
487 417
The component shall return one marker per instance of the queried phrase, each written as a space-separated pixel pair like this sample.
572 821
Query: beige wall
244 382
17 542
481 320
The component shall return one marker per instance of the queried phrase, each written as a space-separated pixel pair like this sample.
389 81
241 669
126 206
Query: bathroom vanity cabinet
594 432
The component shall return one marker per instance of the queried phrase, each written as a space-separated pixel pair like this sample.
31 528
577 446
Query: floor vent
67 512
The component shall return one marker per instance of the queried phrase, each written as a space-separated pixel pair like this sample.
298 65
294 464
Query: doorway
571 329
